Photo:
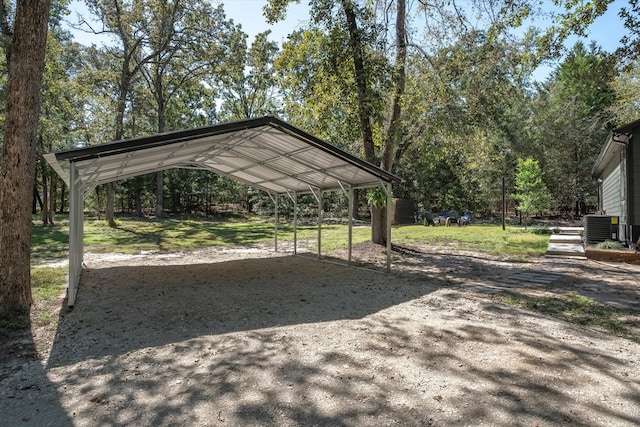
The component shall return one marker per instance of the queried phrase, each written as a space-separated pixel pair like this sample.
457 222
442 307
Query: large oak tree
26 66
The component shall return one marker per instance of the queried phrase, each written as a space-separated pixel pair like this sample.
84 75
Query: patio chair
465 219
428 218
442 218
452 217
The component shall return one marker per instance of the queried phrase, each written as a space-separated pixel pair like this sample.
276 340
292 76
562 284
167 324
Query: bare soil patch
247 336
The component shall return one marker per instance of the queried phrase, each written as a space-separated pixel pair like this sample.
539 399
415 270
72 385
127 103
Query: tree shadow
181 302
27 396
207 232
610 285
293 341
548 378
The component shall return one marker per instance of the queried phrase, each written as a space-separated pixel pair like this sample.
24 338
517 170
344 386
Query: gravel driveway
248 337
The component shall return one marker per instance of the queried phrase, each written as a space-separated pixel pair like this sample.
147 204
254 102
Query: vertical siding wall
612 190
634 173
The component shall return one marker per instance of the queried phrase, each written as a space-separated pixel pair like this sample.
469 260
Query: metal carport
266 153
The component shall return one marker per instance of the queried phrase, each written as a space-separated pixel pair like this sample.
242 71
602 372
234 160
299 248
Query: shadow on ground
122 309
292 341
27 397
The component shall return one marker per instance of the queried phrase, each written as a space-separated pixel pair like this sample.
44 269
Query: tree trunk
379 228
364 104
45 200
125 85
394 130
109 211
46 215
159 95
18 170
360 72
356 204
393 134
37 201
138 202
159 194
63 196
52 197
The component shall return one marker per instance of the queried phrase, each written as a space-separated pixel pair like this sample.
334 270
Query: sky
607 30
248 13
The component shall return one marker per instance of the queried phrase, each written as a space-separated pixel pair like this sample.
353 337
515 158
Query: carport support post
76 222
350 221
320 209
275 230
387 189
295 223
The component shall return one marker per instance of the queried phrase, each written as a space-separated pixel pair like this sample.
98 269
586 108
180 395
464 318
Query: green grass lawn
514 242
135 235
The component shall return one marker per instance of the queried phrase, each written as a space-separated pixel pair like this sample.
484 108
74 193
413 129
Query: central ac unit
598 228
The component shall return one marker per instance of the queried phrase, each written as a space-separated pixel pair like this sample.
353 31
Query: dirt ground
250 337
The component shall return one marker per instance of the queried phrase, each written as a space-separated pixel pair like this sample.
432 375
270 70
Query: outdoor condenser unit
598 228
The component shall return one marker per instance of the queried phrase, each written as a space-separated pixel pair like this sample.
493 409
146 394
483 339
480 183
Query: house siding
612 189
634 184
633 151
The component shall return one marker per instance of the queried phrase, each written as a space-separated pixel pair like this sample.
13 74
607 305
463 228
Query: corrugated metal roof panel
267 153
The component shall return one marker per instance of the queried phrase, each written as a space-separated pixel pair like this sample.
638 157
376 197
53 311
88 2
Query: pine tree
531 192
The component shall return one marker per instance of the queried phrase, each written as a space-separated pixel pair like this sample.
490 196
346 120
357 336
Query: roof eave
608 151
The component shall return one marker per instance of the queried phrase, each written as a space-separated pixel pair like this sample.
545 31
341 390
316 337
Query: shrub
609 244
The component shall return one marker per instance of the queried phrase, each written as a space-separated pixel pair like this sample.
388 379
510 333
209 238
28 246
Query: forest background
468 108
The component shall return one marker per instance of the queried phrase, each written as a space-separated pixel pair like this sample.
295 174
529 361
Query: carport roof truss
266 153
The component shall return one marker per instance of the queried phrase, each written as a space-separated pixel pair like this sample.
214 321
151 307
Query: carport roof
266 153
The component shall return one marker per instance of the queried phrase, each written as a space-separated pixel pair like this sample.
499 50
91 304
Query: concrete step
566 256
565 238
566 242
565 250
568 230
